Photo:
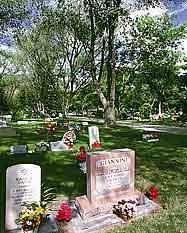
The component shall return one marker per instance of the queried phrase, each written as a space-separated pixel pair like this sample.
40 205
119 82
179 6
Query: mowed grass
162 163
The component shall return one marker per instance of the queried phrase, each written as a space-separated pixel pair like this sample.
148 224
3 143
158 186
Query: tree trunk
110 119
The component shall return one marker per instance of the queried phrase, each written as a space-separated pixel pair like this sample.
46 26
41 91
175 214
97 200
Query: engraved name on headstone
23 185
110 173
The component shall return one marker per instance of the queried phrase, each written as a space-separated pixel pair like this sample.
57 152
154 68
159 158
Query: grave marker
58 146
19 149
23 184
93 135
110 176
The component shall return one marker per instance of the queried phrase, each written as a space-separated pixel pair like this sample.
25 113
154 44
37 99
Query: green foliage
145 110
152 47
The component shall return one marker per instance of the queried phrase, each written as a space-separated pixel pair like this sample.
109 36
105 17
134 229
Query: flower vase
31 231
82 165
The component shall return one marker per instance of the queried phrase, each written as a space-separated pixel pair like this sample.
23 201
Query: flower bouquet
31 216
125 209
153 193
96 145
81 158
63 215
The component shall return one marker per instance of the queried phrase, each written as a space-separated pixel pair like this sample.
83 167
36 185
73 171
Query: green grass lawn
162 163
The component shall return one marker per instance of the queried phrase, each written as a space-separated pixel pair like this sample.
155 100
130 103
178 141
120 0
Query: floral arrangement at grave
41 147
126 209
31 217
51 128
81 155
64 213
81 158
69 138
96 144
147 189
153 193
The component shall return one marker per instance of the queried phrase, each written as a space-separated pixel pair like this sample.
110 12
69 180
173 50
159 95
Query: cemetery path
153 128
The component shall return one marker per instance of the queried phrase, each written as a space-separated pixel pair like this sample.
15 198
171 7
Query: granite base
101 222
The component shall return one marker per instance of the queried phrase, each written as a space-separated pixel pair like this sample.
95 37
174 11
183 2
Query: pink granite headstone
110 177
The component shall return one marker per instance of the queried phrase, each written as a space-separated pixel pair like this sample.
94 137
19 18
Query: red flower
153 193
96 145
82 149
64 212
81 155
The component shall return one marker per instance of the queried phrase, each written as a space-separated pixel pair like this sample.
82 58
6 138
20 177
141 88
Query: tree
55 58
152 47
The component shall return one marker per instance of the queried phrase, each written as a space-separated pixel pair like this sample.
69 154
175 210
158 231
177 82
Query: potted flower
81 158
64 214
31 216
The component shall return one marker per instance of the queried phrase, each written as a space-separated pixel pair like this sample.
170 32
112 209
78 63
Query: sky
176 8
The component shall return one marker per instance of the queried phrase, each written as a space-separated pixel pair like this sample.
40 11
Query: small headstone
151 137
19 149
58 146
23 184
93 135
85 123
22 122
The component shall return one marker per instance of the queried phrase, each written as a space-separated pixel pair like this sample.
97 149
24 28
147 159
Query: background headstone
19 149
58 146
93 135
23 184
22 122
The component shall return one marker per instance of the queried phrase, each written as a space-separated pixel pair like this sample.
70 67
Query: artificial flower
153 193
64 212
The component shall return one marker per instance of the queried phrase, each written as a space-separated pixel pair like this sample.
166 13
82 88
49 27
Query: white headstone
22 122
85 123
58 146
23 184
19 149
93 135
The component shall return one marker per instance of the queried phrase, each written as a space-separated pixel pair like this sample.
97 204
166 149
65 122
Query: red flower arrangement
153 193
81 155
96 145
64 212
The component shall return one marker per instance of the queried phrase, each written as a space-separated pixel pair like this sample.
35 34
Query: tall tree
151 45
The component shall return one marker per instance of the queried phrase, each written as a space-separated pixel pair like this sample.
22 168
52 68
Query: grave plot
110 180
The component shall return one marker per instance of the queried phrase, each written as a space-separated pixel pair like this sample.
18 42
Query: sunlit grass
162 163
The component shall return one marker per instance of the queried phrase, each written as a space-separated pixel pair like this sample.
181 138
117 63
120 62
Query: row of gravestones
110 178
65 144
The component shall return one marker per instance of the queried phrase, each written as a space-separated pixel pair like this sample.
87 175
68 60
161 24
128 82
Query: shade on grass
162 163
